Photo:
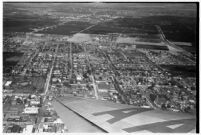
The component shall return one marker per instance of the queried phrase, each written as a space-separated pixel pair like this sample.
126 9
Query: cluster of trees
38 83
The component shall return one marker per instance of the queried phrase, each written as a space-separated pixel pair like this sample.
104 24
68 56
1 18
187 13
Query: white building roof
31 110
58 120
8 83
28 129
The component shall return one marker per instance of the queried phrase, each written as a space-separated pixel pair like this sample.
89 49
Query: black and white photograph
100 67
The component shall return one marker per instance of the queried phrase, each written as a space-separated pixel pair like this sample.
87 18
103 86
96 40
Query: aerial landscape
100 67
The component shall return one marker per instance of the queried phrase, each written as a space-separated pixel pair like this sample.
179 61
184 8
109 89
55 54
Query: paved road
50 74
87 28
28 62
177 48
114 80
95 86
92 75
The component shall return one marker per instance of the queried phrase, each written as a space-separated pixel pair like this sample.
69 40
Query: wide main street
50 74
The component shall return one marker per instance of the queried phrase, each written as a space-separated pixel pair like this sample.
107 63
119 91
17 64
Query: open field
10 59
15 58
154 47
179 29
15 20
186 71
68 28
123 25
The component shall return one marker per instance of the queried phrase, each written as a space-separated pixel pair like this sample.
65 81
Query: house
8 83
31 110
28 129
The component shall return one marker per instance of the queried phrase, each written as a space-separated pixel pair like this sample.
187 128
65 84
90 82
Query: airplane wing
121 118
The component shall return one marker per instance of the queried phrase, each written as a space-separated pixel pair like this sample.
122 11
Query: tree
152 97
38 82
16 129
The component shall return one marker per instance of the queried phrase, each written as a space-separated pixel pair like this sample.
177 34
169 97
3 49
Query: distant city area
133 54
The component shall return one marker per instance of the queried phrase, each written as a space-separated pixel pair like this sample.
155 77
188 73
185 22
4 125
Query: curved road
177 48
